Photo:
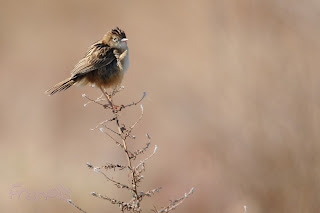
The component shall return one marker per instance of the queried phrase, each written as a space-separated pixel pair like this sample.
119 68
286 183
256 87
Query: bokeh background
232 103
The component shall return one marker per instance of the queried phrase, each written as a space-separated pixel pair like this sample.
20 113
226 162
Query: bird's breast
123 61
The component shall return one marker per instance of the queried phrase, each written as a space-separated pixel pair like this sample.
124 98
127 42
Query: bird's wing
98 55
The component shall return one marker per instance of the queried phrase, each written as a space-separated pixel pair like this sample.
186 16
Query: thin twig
72 203
118 184
113 201
143 161
115 91
133 103
114 166
139 119
92 100
177 202
108 166
128 132
150 192
111 130
142 150
103 122
123 206
117 142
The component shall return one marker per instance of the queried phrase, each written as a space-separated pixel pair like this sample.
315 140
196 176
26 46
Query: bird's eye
115 39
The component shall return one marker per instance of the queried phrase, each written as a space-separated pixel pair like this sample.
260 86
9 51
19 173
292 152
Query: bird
103 65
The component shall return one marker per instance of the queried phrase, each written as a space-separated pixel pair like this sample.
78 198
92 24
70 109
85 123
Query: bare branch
138 119
118 184
123 205
113 201
117 142
111 130
142 150
114 166
72 203
143 161
132 205
103 122
115 91
133 103
108 166
138 178
150 192
92 100
120 138
175 203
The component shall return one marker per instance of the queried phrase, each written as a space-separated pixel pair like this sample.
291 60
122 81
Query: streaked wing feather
99 55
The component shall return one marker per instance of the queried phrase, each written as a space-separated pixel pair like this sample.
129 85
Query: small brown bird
104 64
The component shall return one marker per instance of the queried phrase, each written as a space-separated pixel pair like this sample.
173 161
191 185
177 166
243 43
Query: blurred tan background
233 103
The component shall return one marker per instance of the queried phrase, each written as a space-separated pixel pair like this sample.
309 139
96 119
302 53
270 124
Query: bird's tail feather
63 85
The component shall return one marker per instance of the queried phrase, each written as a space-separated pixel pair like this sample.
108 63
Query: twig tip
89 165
148 136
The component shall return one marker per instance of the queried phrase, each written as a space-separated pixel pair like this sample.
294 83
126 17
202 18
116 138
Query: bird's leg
107 96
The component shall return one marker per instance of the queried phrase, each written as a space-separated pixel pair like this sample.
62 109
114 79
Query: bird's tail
63 85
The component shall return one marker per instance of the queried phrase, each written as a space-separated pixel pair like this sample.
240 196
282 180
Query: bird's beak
124 39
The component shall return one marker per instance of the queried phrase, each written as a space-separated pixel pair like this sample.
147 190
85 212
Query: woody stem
107 97
134 183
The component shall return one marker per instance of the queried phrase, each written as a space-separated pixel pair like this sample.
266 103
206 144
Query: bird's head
116 38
